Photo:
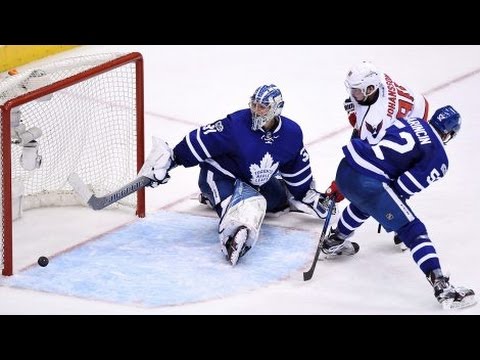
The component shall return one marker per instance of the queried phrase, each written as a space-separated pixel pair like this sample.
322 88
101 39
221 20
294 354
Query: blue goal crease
167 259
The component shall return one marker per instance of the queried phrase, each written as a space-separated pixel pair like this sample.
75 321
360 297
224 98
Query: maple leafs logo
261 174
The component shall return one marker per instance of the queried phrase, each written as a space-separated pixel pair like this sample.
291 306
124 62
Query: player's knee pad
247 208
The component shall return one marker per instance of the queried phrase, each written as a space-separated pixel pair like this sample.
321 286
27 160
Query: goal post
83 114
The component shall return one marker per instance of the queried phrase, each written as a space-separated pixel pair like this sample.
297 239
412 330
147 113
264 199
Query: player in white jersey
375 101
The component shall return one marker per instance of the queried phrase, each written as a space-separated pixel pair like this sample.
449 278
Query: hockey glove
349 107
314 203
334 193
158 163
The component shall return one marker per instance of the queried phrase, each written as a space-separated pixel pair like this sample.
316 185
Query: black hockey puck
42 261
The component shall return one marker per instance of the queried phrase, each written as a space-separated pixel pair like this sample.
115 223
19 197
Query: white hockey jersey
394 102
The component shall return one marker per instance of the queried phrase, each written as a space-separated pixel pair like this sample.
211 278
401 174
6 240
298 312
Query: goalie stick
100 202
307 275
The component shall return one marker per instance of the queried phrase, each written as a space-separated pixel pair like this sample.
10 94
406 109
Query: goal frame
6 108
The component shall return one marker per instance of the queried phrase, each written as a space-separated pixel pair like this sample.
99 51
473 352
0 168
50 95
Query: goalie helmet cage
90 113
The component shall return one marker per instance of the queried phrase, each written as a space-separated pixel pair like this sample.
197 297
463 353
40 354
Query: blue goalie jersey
409 157
231 148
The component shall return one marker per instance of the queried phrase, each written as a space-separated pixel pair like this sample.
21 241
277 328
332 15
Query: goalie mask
265 103
364 78
447 122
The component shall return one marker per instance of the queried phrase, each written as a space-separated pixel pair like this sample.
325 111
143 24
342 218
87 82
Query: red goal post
83 114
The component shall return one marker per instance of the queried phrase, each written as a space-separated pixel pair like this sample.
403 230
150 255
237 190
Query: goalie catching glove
158 163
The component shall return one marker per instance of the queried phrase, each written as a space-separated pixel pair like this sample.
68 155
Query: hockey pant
375 198
218 188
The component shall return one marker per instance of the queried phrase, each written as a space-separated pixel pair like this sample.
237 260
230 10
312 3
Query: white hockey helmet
268 96
362 76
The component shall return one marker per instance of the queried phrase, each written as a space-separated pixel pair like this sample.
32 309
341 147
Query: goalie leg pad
247 210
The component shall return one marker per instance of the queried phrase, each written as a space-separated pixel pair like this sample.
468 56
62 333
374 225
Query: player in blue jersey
378 179
251 162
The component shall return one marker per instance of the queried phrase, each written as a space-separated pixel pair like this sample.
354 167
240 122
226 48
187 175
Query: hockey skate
448 296
236 246
399 243
336 244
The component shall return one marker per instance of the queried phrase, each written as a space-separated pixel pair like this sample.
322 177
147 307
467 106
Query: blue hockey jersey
409 157
229 146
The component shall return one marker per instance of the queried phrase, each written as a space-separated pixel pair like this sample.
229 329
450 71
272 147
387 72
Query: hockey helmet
447 122
265 103
362 76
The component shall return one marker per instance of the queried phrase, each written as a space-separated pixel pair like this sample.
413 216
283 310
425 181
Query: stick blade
80 188
307 275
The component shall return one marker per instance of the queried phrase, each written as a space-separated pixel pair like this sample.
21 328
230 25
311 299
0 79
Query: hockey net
83 115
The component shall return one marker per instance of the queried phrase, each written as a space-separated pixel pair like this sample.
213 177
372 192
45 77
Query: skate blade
401 246
466 302
322 256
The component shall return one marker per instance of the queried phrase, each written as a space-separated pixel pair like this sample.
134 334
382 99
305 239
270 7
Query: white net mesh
89 128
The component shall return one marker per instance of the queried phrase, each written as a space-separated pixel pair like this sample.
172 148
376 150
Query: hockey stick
98 203
307 275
